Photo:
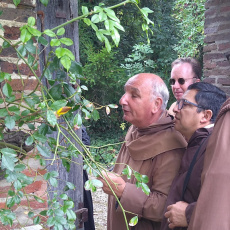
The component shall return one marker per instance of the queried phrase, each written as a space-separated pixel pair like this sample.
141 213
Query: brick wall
11 20
217 39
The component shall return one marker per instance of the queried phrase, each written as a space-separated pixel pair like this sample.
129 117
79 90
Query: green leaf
19 167
50 33
55 42
67 205
66 41
16 2
107 45
102 16
17 185
10 202
64 196
37 220
11 193
95 18
7 90
43 41
29 140
75 68
31 214
70 185
38 199
66 62
100 36
43 213
58 104
144 179
118 26
113 106
43 150
56 92
133 221
127 171
84 10
25 35
5 76
111 14
10 122
145 188
95 115
22 50
71 215
53 182
34 32
60 31
115 36
40 137
87 21
8 159
5 45
30 47
44 2
97 183
31 21
77 120
51 221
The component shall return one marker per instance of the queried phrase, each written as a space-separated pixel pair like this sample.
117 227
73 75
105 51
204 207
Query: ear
207 115
157 103
197 80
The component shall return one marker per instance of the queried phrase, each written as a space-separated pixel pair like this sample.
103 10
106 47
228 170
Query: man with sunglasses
185 71
195 114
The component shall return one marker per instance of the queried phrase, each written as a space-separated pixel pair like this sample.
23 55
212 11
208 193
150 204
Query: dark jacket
200 137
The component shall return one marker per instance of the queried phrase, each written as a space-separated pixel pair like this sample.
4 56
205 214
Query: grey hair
159 89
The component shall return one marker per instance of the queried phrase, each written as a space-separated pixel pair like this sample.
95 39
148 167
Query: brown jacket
156 152
212 210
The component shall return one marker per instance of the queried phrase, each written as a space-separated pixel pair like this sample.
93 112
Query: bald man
152 147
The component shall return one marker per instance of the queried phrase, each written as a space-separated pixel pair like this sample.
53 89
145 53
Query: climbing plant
58 108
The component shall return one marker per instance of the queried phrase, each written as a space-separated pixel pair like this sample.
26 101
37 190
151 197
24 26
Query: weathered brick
8 52
210 47
210 80
224 81
214 20
215 3
35 187
28 84
225 9
19 15
211 56
224 46
210 30
12 33
223 64
209 65
217 37
216 72
12 68
35 204
224 27
33 173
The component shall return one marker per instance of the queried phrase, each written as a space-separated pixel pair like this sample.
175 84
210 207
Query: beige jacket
156 152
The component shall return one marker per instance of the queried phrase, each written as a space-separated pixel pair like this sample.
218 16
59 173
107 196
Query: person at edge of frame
195 114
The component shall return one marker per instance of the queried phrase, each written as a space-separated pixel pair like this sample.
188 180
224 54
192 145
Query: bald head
145 98
154 84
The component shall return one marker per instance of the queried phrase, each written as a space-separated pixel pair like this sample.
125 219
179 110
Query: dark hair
208 97
196 67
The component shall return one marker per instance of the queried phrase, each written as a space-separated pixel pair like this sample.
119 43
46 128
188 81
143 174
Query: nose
176 85
123 100
175 109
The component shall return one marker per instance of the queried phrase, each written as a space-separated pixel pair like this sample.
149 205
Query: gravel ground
100 209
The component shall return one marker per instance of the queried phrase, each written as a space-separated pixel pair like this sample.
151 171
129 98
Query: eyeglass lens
181 81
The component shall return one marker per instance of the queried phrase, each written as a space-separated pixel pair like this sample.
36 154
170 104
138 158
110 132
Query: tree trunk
56 13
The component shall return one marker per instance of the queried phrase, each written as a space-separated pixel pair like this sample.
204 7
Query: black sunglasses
181 81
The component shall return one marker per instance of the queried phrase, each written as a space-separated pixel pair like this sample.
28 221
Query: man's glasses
183 102
181 81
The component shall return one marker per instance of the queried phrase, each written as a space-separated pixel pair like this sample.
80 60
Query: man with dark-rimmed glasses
185 71
195 114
